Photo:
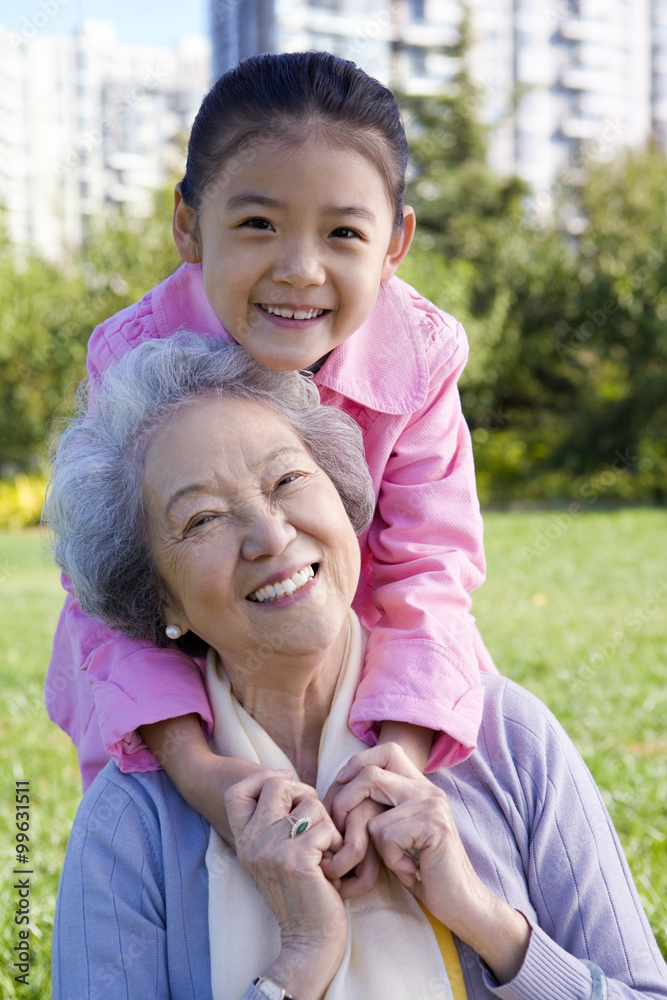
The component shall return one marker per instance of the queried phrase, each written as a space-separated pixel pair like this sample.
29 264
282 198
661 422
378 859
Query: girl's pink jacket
422 556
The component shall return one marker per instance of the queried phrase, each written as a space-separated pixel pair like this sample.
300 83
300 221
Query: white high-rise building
561 81
87 122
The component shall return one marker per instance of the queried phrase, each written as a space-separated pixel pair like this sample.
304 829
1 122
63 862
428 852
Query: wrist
305 972
497 932
416 741
270 989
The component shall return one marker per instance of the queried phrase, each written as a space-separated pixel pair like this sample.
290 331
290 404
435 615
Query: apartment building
561 81
87 122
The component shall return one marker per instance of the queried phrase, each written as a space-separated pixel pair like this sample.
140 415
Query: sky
161 22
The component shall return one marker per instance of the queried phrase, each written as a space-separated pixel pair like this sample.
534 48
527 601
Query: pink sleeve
427 556
131 681
119 334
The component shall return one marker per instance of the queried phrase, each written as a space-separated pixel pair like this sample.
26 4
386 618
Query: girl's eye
344 232
257 224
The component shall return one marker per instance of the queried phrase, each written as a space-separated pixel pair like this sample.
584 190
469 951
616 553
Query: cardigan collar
382 366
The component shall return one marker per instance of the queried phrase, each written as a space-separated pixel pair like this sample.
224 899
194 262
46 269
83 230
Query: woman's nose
299 267
267 534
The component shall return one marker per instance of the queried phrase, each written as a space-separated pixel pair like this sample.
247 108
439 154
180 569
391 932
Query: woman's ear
175 621
400 244
184 228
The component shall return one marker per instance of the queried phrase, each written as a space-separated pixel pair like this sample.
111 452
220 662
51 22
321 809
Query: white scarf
391 948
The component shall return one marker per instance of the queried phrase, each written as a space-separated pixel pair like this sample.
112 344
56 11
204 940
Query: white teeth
280 588
293 314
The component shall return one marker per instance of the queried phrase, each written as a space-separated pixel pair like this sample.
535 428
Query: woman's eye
287 480
199 520
344 232
257 224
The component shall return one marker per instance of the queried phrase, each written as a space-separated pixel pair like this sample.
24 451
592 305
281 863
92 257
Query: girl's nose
298 267
268 533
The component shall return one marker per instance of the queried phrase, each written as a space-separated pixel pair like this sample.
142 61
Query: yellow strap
449 954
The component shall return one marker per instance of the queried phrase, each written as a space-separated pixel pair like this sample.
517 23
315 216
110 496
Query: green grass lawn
575 608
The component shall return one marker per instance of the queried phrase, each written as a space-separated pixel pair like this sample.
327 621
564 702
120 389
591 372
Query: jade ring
299 826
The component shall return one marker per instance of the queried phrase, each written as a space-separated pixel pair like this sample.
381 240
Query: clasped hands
379 808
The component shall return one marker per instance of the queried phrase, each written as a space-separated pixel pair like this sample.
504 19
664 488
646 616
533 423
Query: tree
48 313
567 361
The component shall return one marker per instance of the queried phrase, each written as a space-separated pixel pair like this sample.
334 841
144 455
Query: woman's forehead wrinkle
288 449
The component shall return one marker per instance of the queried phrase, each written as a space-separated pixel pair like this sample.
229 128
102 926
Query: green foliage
48 311
566 386
21 501
567 380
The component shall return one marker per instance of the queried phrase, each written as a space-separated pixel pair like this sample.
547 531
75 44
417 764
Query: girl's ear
184 228
400 244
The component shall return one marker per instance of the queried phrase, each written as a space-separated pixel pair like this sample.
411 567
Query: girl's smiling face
294 246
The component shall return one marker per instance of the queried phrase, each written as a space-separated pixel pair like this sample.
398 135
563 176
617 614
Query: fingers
382 787
399 836
356 842
241 798
262 801
388 756
364 876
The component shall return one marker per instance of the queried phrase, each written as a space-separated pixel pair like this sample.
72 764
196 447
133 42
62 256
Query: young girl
291 224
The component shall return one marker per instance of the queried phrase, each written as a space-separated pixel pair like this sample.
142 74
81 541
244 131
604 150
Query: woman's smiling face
235 504
294 247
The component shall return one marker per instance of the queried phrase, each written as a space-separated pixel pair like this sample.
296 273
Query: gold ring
299 826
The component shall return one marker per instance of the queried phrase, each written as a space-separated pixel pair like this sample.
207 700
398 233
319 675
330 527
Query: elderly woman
197 482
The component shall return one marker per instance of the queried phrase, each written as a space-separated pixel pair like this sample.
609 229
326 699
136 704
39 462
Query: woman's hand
419 821
287 871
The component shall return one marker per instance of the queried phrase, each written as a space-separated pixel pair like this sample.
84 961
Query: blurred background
538 132
538 170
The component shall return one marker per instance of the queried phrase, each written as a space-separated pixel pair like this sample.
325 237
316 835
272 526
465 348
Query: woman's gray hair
94 503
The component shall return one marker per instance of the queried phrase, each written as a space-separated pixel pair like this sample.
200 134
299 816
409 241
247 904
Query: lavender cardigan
131 919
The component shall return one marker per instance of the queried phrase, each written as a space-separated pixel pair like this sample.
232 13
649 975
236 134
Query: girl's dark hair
287 97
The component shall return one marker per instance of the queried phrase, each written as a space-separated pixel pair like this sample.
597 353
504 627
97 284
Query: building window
416 60
416 8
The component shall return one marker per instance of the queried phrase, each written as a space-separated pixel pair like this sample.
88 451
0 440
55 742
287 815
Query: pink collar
382 366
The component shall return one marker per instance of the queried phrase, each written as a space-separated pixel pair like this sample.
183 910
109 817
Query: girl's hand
419 821
356 864
287 871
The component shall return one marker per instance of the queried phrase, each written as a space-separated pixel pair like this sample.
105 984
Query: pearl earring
173 632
